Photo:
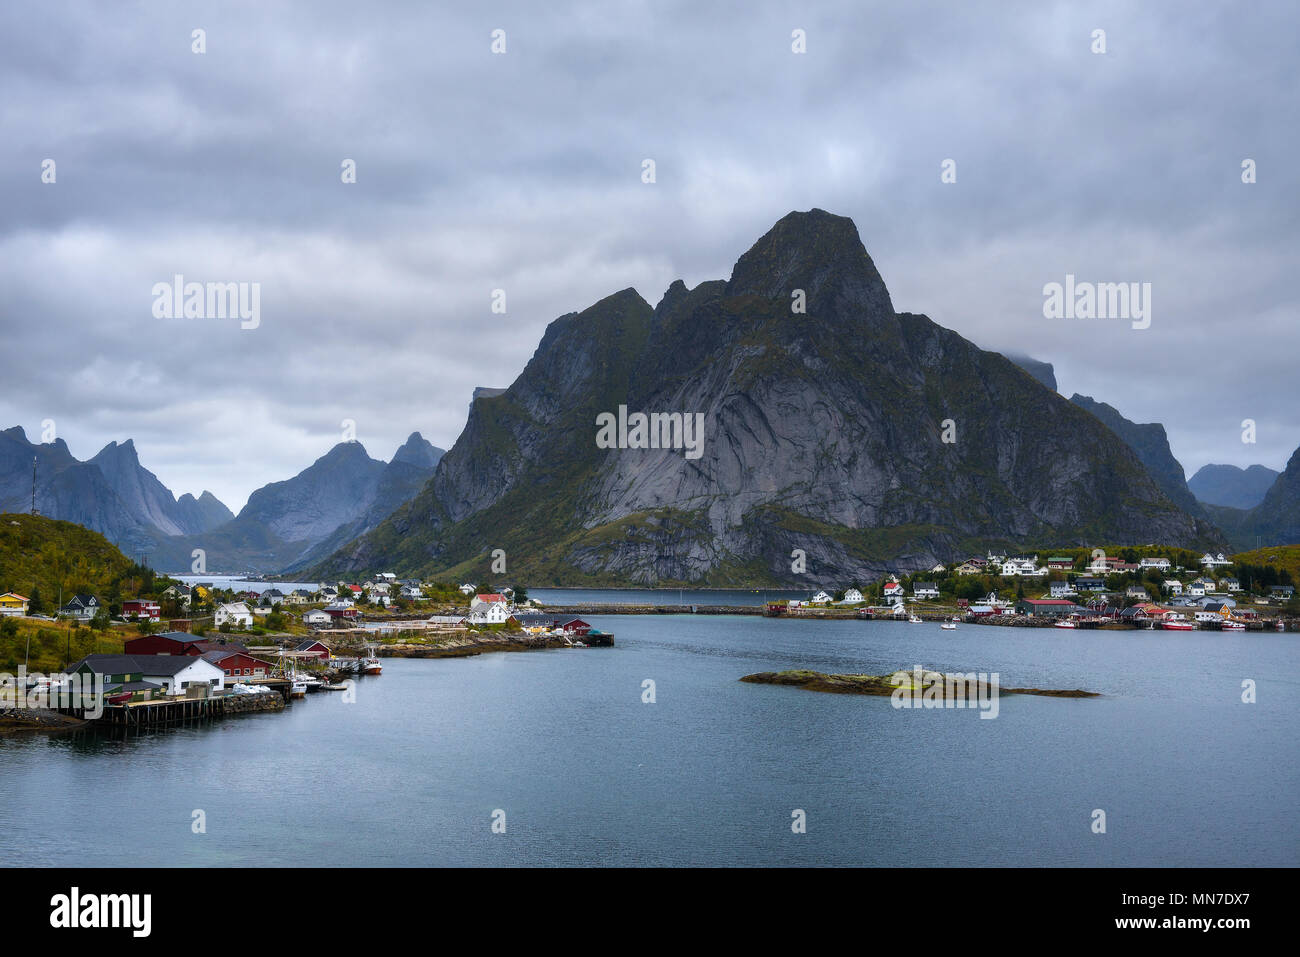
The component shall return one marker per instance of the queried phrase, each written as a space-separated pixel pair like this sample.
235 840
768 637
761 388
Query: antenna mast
34 509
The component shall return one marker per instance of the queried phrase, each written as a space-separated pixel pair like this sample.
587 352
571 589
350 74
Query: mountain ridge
826 435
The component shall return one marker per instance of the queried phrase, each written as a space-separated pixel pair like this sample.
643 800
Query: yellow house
11 604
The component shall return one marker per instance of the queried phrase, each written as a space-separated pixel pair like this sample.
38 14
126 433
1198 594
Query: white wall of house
200 672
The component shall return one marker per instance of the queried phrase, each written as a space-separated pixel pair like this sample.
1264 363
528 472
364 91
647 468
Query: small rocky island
915 681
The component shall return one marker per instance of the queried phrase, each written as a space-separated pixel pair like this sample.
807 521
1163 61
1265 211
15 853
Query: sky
522 171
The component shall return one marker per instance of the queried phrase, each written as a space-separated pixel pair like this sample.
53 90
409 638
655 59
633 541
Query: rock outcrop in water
886 685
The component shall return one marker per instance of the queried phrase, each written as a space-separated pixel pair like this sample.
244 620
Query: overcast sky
522 171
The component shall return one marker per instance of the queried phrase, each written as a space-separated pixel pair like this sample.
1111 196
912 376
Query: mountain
401 479
111 493
824 432
288 524
1275 520
1151 444
150 501
203 513
1042 371
1232 486
342 495
66 489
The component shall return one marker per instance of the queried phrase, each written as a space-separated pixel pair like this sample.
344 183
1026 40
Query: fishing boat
1179 626
1065 623
949 626
1233 626
913 619
371 665
297 687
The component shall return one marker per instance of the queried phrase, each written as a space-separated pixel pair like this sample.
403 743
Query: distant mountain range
1231 486
846 439
284 525
825 438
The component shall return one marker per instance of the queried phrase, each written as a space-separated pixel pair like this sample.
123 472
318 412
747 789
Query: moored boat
913 620
1179 626
1065 623
949 626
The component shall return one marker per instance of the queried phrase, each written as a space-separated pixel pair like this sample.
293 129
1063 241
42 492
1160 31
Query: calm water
587 773
664 596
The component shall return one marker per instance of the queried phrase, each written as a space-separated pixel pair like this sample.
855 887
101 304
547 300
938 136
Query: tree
35 604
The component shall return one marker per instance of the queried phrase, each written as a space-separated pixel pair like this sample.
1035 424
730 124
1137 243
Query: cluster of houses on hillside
1203 591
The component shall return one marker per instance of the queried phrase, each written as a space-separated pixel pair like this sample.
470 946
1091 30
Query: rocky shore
37 719
469 644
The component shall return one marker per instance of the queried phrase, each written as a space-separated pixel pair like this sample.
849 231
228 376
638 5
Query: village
256 651
1070 591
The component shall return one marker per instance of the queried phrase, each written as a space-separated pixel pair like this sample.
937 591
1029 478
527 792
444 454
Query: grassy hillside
1281 557
43 554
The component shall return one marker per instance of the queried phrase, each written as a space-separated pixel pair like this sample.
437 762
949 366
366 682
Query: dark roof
218 655
533 618
108 664
304 645
184 637
206 646
134 664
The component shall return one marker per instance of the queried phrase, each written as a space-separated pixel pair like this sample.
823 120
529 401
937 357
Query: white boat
1065 623
949 626
297 687
1233 626
370 665
913 619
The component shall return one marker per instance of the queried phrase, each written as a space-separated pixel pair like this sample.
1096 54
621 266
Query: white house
492 613
272 596
925 590
467 589
1060 589
821 598
1231 584
315 617
852 596
1160 563
236 613
893 590
414 592
177 672
1196 589
1210 561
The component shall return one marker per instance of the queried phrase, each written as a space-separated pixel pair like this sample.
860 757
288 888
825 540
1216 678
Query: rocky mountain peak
821 254
418 451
